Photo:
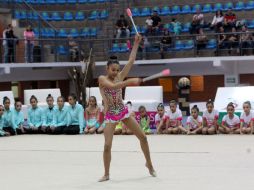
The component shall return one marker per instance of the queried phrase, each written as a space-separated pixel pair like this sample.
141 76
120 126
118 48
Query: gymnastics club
129 13
163 73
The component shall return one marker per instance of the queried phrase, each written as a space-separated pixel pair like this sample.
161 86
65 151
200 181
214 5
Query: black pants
58 130
19 132
72 130
38 131
9 130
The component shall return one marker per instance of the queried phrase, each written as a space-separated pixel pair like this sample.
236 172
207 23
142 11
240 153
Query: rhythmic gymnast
111 90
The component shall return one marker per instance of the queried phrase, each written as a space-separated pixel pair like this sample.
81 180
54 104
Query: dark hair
61 97
112 60
5 99
49 96
94 99
231 104
73 96
129 102
209 102
121 16
160 105
173 19
220 13
16 101
195 107
141 107
173 102
33 97
247 102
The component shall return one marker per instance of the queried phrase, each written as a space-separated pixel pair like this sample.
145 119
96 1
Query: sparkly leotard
115 111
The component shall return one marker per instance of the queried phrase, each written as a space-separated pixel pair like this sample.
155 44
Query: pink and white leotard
116 110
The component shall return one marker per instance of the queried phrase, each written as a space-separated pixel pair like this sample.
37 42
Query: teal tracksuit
35 117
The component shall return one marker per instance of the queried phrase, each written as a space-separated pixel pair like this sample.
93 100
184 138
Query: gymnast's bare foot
151 170
104 178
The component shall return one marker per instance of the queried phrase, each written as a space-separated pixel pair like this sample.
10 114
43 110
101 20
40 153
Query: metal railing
76 49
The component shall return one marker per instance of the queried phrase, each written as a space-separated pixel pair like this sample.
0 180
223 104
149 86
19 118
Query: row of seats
179 45
56 16
63 33
42 2
187 9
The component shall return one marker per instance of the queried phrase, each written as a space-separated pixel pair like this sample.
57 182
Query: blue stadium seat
207 8
104 14
211 44
115 48
36 32
22 15
85 32
71 1
167 26
35 16
145 11
41 2
82 1
56 16
188 45
165 11
68 16
62 33
93 15
101 1
179 45
45 16
228 5
61 2
143 29
239 6
135 12
79 16
92 1
29 15
175 10
249 5
74 33
186 27
16 14
250 24
61 50
196 7
93 32
51 33
44 33
50 2
186 9
133 32
157 9
217 7
124 48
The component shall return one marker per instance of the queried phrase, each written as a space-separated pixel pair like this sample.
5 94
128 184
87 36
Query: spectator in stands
246 40
176 26
12 41
194 122
230 122
222 39
166 42
18 118
2 123
156 23
8 116
76 116
5 43
35 117
201 40
229 20
92 115
233 41
73 49
122 27
197 22
218 20
142 49
149 25
48 115
29 44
